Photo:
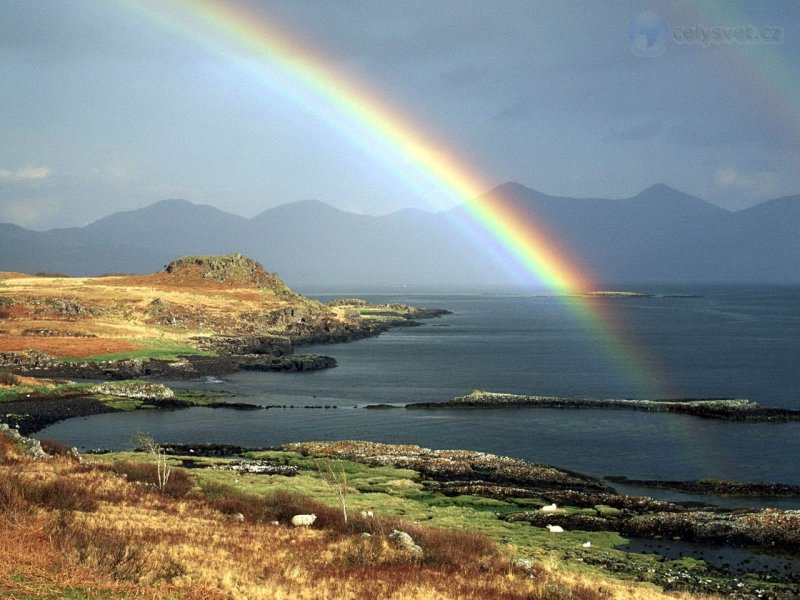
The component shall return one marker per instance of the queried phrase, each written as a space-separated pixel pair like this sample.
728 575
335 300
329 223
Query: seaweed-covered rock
567 521
139 390
766 527
452 465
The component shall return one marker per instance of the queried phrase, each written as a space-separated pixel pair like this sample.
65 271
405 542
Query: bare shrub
9 451
279 506
178 485
282 506
54 447
8 378
163 469
12 503
443 546
337 481
60 494
111 551
230 501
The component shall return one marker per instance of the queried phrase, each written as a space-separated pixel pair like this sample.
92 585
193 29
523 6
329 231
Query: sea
690 341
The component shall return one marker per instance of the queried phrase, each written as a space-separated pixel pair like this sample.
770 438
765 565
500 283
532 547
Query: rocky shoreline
36 411
33 363
727 409
459 472
715 486
224 354
583 505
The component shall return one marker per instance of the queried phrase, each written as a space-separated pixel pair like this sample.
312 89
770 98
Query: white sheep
555 528
366 514
587 544
303 520
549 508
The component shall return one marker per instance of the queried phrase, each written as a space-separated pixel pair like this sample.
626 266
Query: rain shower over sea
703 341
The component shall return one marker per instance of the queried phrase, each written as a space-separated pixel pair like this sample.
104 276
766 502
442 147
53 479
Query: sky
105 108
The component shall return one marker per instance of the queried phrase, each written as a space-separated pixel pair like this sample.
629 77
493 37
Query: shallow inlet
736 561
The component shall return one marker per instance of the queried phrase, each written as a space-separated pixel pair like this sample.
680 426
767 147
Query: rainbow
268 55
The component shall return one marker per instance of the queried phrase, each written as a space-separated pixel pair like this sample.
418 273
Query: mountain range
659 235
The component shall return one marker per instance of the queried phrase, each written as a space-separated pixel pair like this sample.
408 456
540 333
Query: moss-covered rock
138 390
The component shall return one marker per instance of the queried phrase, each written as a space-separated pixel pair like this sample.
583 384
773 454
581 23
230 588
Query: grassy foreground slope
76 529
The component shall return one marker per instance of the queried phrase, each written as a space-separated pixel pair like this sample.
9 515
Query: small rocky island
728 409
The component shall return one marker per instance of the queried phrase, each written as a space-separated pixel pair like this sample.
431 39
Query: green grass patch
118 403
199 397
61 390
182 399
147 350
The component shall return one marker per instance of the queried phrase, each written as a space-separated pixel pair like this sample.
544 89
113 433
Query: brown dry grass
106 535
118 312
27 381
65 346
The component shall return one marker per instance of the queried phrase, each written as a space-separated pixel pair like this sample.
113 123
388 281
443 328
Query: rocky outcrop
39 364
231 345
717 486
27 446
451 465
140 390
227 269
565 497
765 528
259 467
727 409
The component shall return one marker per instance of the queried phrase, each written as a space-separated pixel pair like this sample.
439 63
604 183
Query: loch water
683 341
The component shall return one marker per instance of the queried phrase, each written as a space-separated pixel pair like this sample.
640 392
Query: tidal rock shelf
588 504
727 409
39 364
717 487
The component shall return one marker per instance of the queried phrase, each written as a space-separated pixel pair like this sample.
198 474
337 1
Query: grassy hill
159 315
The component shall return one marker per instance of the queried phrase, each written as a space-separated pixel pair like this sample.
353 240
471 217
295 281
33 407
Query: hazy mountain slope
661 234
195 229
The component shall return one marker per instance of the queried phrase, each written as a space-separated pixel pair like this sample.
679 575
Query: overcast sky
104 109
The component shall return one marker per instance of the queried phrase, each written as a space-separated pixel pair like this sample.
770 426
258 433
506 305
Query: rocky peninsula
727 409
200 316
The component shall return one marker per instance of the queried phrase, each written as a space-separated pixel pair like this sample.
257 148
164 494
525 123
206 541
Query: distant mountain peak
173 202
660 188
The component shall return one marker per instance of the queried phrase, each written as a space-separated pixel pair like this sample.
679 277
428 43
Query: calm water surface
730 342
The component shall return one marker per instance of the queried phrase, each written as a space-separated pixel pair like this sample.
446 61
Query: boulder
405 542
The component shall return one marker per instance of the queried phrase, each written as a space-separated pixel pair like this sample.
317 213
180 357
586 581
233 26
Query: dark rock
716 486
727 409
